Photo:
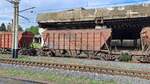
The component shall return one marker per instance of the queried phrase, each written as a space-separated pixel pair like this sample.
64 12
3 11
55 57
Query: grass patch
24 58
125 57
4 56
49 77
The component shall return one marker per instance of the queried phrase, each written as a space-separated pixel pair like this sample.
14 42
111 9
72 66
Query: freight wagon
76 42
83 43
24 41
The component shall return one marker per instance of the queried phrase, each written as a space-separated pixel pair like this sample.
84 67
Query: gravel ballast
66 73
106 64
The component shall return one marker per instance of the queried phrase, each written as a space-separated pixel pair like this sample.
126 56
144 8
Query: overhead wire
87 5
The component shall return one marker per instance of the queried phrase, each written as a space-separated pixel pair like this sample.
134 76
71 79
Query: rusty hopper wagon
76 42
145 38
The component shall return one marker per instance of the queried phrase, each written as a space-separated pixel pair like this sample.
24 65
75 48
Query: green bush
125 57
35 45
33 29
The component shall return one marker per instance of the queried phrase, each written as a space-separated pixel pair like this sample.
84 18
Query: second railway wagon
76 42
24 41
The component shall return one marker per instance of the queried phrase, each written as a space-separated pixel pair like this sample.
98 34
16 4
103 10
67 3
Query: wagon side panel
76 39
5 40
78 44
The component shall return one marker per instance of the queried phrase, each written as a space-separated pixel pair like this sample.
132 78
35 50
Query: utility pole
15 29
15 22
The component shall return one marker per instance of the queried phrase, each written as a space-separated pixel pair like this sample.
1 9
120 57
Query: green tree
2 27
10 28
33 29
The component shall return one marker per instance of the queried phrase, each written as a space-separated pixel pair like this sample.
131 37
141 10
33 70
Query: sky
41 6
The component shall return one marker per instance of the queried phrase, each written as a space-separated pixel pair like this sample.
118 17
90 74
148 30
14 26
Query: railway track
82 68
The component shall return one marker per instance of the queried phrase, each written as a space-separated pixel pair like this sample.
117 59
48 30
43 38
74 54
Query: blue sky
6 9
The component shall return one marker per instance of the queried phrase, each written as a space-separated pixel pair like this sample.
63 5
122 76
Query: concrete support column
135 42
121 40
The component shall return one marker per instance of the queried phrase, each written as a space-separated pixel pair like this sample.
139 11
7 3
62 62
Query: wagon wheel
20 52
78 53
112 57
116 58
100 56
109 57
91 54
23 52
8 51
145 59
49 54
74 53
83 54
65 53
39 52
57 53
1 51
32 52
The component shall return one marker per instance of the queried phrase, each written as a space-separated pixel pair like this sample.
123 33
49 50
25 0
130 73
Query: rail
82 68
